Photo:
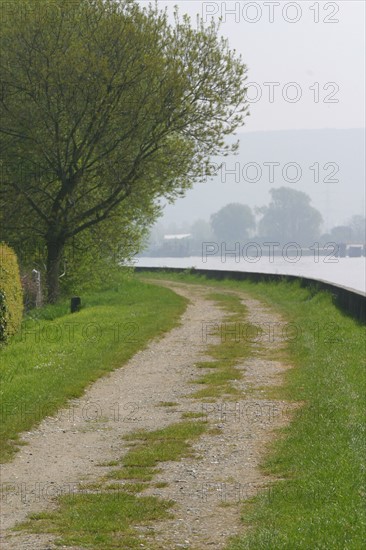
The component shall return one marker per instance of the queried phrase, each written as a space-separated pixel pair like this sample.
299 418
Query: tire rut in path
68 448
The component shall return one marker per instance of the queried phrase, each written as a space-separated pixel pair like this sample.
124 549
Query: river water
347 272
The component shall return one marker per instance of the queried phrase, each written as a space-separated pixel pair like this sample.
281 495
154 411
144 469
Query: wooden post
75 304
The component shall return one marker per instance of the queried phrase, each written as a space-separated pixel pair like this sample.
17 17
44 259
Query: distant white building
177 237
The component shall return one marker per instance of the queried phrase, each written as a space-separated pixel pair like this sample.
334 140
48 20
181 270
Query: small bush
11 295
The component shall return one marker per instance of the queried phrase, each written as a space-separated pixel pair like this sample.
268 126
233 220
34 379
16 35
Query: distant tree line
289 217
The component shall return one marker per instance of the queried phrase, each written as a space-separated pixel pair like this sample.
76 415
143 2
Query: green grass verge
320 502
57 354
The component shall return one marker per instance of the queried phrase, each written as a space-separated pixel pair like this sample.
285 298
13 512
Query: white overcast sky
325 60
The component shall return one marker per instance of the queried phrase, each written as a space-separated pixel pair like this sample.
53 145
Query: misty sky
318 58
304 52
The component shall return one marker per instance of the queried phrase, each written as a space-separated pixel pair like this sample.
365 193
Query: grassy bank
320 460
57 354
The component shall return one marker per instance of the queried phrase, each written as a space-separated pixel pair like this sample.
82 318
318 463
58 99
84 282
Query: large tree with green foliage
289 217
105 105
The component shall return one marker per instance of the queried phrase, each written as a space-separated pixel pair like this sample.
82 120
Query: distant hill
337 201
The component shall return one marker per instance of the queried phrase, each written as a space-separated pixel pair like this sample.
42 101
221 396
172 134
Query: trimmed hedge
11 294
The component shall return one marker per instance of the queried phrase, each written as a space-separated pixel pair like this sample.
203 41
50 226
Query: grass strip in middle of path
102 521
106 519
169 443
231 350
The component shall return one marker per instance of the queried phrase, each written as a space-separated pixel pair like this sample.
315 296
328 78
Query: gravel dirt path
66 450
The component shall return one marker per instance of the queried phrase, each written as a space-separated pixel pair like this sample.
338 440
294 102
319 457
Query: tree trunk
54 254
